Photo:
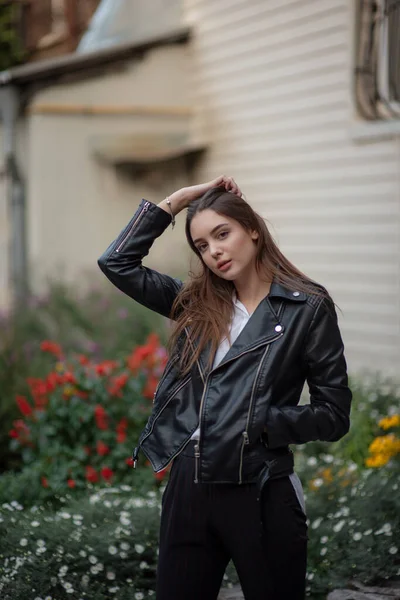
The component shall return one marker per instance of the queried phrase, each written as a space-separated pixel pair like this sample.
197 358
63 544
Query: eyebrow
212 231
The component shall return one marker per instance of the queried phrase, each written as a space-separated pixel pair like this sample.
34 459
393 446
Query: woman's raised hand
183 197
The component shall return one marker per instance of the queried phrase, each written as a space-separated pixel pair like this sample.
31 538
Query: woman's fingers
232 186
228 182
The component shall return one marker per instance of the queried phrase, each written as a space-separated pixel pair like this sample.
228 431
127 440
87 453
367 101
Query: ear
254 235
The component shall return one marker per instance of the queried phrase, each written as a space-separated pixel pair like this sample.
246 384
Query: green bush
80 422
99 322
374 397
354 509
354 529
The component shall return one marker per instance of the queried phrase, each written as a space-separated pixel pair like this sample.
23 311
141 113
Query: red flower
102 448
71 483
121 437
117 384
39 389
51 382
150 387
37 386
84 360
101 417
107 473
13 433
135 360
69 377
44 481
41 402
160 475
121 430
144 354
122 424
52 347
91 475
24 406
105 367
129 462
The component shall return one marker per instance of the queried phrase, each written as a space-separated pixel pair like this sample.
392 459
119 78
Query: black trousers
203 526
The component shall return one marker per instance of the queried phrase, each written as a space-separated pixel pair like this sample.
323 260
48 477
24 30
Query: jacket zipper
245 435
173 394
197 446
132 227
171 364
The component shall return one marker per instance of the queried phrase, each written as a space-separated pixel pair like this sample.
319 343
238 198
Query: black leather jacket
291 337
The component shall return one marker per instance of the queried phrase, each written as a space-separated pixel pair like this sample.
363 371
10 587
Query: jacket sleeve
327 417
122 261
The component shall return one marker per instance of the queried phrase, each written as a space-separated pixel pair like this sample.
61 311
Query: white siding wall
78 205
273 86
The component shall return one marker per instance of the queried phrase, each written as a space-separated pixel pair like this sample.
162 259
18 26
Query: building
273 92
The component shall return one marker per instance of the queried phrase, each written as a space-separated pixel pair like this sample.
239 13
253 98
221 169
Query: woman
249 330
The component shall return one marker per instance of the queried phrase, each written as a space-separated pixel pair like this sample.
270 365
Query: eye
201 248
224 234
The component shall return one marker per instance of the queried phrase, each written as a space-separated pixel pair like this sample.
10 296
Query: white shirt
239 320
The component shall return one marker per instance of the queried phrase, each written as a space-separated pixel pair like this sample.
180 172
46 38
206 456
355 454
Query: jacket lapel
263 326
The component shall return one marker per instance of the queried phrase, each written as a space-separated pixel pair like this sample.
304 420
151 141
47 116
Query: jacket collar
279 291
264 325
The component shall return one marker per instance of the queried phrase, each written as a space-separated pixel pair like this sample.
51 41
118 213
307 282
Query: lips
221 265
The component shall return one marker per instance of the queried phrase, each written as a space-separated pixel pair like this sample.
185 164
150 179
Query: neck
252 289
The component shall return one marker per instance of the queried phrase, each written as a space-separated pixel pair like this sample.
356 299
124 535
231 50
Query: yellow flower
68 390
59 367
385 444
327 475
377 461
389 422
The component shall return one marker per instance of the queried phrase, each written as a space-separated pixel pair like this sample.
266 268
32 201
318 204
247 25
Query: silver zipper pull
197 451
246 437
135 456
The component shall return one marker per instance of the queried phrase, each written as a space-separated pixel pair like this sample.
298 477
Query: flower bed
79 423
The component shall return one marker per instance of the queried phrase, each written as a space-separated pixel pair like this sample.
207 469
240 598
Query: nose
215 251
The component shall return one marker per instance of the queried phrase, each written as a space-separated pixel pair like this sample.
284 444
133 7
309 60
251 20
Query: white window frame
383 121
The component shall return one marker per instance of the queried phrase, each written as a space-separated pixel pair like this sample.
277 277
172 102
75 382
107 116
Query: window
377 72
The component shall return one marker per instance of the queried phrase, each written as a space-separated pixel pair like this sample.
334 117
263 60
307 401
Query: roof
54 68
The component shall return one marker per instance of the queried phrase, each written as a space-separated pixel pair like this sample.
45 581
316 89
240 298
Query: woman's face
225 246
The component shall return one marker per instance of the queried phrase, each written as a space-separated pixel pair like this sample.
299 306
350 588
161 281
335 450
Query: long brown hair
204 304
